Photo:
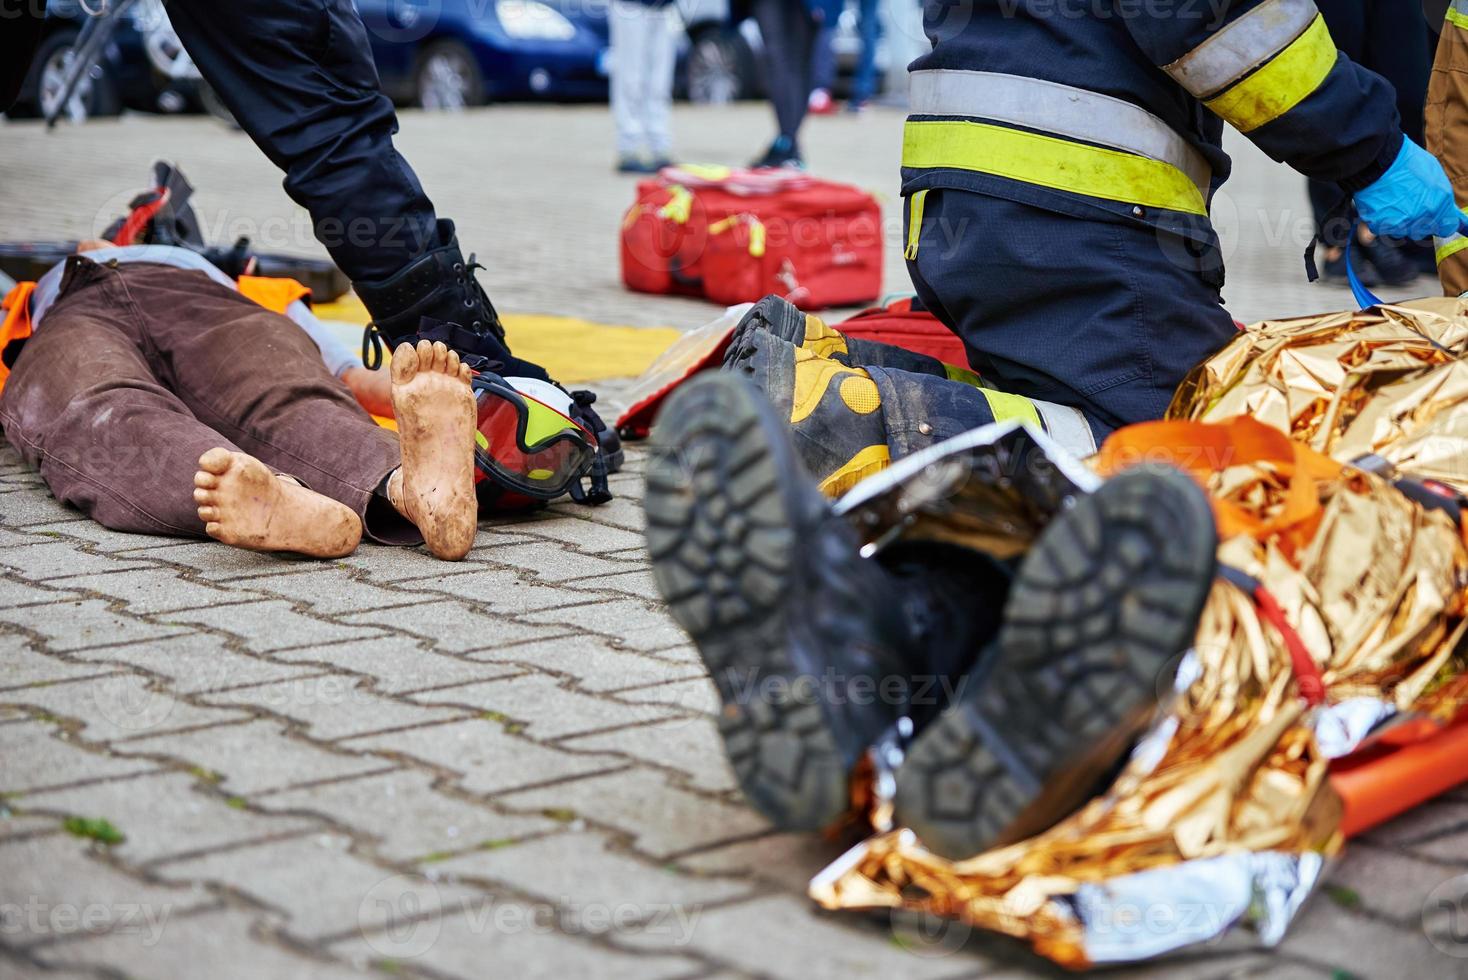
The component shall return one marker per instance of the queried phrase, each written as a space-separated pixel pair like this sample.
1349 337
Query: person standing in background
1390 38
789 29
644 49
823 71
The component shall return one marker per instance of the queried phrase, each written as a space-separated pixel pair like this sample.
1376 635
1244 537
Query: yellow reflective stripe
1283 83
915 223
1458 18
1017 407
872 459
1447 247
1049 162
962 375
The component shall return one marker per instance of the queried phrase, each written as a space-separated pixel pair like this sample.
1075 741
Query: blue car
448 54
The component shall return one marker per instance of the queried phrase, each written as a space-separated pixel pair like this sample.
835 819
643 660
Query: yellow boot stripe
872 459
822 340
813 376
1286 81
1006 407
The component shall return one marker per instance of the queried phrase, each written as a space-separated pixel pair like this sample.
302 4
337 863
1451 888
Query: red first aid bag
736 236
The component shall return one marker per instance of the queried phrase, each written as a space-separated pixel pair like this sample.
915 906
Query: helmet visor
525 445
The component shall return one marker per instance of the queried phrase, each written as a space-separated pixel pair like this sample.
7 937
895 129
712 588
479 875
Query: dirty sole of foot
723 527
1100 610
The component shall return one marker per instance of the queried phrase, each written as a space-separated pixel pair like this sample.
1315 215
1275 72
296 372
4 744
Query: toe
465 375
440 356
205 480
212 529
451 367
216 461
204 495
404 364
209 515
425 355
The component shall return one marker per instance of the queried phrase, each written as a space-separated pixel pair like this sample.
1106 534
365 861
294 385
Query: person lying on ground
157 399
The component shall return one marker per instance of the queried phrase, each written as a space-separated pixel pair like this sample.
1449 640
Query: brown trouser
1447 134
139 369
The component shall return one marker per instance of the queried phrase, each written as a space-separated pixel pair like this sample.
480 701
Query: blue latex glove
1413 199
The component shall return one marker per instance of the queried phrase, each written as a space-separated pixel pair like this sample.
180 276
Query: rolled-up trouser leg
300 79
1098 315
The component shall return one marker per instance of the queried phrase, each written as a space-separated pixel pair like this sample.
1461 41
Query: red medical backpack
738 236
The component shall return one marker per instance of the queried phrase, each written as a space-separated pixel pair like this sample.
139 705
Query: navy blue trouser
1104 317
300 79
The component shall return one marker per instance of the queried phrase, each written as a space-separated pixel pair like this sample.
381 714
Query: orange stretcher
1404 770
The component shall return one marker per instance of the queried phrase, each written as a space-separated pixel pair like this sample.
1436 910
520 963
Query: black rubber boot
439 298
1100 609
806 640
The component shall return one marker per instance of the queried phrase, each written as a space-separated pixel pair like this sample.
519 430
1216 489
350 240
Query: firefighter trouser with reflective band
1109 324
1447 135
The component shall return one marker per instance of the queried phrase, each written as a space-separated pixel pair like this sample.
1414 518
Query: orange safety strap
1203 450
17 322
275 295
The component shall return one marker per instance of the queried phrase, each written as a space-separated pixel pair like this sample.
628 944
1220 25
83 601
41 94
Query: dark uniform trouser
299 77
1104 317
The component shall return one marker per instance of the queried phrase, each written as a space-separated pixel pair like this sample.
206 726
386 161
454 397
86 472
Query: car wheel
720 68
95 94
448 78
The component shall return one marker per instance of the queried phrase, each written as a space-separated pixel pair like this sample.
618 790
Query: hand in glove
1413 199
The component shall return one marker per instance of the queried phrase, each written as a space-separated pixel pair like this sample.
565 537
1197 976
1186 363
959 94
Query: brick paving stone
496 590
627 620
1450 848
549 562
390 565
52 888
662 819
330 706
410 819
788 860
454 627
194 663
24 506
97 537
1386 883
18 593
81 624
588 536
222 945
639 583
698 694
395 666
320 888
154 590
20 666
329 590
781 936
594 663
557 711
1427 822
36 757
15 824
211 560
487 759
1360 946
118 706
267 626
165 814
580 871
517 939
691 746
256 756
59 559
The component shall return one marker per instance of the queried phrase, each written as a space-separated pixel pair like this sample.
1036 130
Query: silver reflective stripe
1241 46
1073 113
1067 426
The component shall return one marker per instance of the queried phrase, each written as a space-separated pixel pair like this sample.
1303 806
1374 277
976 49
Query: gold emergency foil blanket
1385 381
1224 815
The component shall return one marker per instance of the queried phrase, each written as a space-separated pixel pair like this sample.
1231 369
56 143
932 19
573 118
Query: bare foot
243 504
436 418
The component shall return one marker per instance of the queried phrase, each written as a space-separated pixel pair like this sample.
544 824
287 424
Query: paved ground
500 768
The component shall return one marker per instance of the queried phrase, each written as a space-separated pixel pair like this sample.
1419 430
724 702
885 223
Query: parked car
142 66
448 54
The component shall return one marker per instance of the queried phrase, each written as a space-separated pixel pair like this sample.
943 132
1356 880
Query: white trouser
644 47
